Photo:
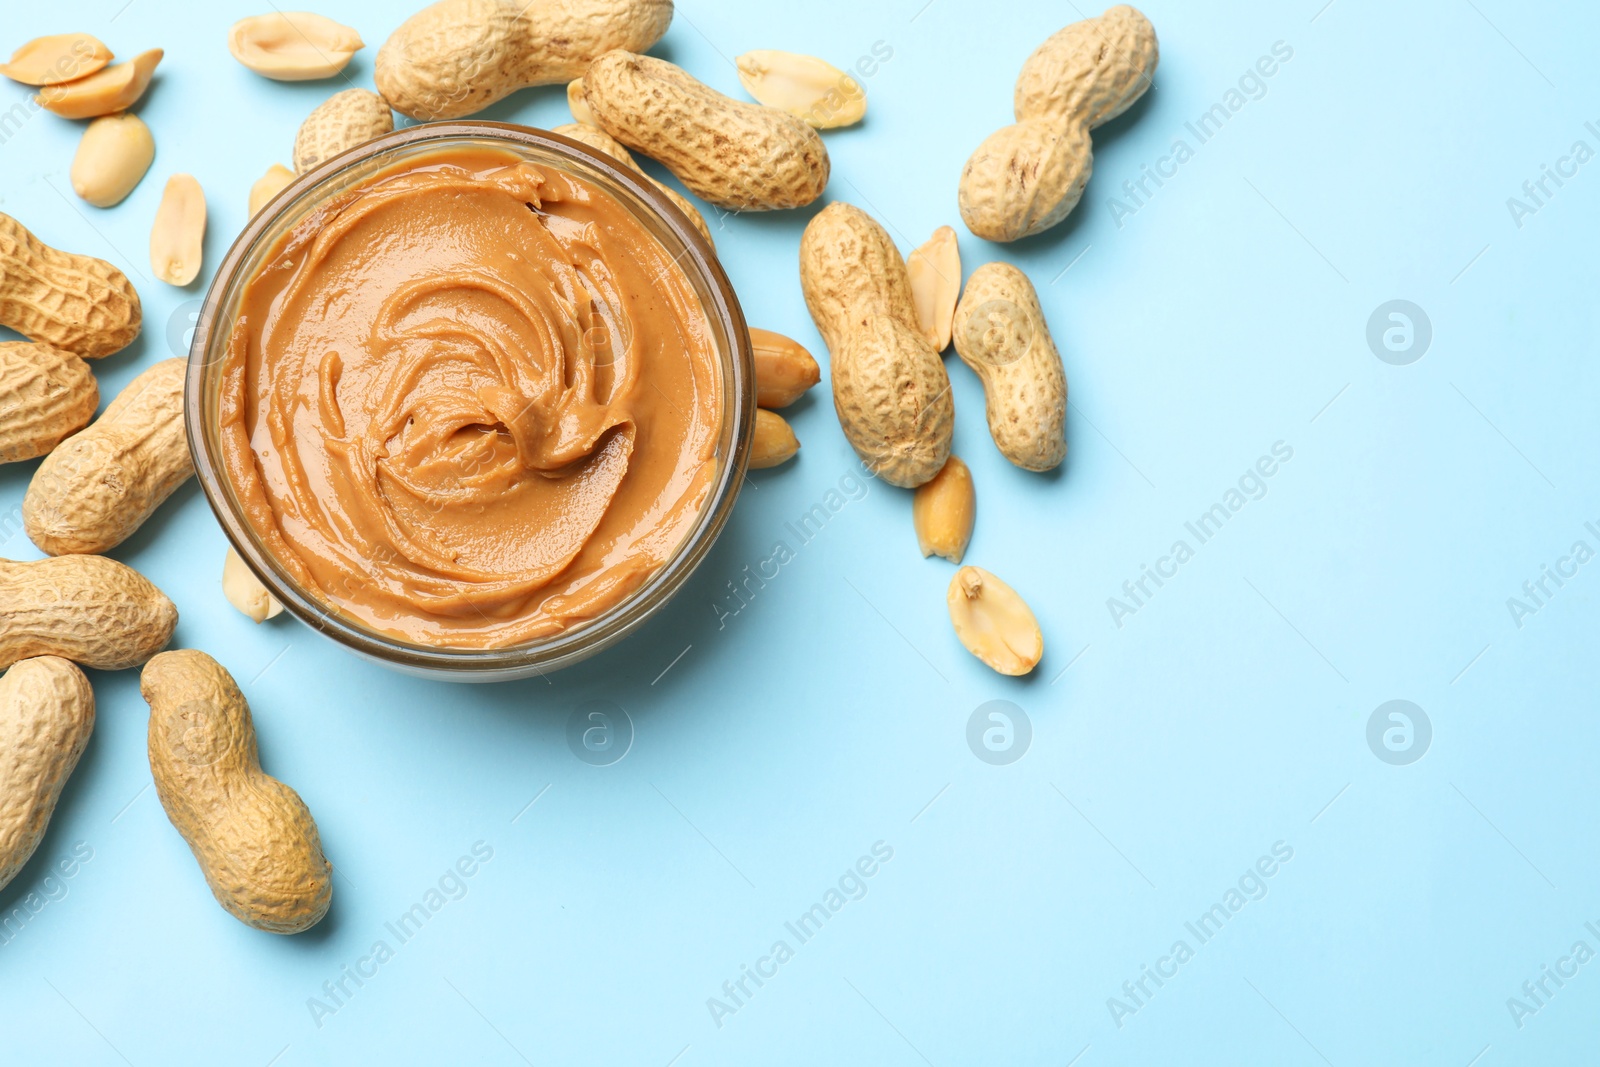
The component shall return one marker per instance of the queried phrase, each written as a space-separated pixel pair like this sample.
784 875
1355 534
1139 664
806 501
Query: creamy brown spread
471 402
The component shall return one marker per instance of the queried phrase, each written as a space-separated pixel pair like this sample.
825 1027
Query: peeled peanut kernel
104 92
178 237
269 185
61 57
774 443
293 46
943 511
993 622
935 270
804 86
578 105
113 156
245 591
784 369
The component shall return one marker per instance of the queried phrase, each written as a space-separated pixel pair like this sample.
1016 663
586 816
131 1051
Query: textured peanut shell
94 490
601 141
46 717
91 610
736 155
46 395
456 57
1027 177
338 124
890 388
79 303
253 836
1000 332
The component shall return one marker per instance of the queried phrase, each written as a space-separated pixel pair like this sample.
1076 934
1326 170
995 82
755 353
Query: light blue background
1226 314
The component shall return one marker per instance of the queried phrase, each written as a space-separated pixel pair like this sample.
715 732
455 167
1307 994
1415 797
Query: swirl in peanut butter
472 402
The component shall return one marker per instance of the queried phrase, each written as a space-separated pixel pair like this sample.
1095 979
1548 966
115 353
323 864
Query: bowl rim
579 642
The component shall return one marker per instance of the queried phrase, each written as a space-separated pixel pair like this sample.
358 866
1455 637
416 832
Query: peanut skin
253 836
890 388
784 369
79 303
93 491
774 443
456 57
46 395
46 717
1026 178
736 155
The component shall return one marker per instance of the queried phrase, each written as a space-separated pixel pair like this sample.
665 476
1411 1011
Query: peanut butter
472 402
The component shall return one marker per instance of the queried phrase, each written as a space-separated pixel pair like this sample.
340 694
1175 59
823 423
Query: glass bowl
664 222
